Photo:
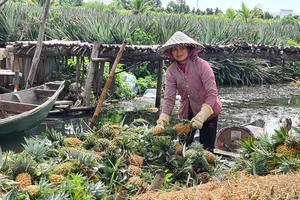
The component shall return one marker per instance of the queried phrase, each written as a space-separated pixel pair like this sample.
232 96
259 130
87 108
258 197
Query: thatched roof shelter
148 52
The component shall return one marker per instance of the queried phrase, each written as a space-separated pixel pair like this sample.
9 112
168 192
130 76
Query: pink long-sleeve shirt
196 86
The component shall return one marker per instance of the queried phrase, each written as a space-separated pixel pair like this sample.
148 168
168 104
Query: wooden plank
159 84
7 72
72 109
44 92
16 107
63 103
226 153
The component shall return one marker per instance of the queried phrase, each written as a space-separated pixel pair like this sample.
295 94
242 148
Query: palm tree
139 6
246 14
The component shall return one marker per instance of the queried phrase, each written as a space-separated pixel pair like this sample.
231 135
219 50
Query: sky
272 6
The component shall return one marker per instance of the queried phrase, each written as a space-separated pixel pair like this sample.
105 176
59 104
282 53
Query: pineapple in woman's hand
183 128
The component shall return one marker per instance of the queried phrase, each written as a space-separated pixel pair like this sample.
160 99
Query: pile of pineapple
102 162
274 153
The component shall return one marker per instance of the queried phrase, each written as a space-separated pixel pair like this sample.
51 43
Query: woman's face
180 54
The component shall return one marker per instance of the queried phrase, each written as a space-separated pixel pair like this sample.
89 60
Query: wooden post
105 89
158 180
112 85
3 2
96 78
77 75
39 45
90 75
101 73
159 83
16 69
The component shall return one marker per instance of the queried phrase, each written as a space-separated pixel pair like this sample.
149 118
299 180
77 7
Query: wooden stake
39 46
158 180
108 82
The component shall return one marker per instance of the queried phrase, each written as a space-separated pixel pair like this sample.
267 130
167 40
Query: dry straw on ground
239 186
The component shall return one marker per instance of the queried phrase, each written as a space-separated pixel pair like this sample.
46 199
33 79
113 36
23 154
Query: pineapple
23 169
106 131
293 142
55 178
32 189
282 149
117 128
101 144
24 180
134 170
64 168
135 180
73 141
157 130
136 160
179 148
183 128
210 157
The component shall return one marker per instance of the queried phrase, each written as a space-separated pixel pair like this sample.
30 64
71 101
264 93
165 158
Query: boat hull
31 118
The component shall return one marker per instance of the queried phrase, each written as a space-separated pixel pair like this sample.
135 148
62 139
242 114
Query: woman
194 80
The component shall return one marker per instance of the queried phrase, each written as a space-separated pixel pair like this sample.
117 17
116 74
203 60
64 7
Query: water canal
241 105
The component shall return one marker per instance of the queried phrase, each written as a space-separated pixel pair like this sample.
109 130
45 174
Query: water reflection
241 105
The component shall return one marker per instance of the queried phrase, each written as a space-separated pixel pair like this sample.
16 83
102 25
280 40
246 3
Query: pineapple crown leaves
90 142
98 189
266 142
279 136
36 148
162 144
199 162
139 122
54 136
124 143
23 163
197 146
88 159
76 186
287 165
297 130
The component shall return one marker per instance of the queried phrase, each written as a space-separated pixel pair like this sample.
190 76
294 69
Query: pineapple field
136 161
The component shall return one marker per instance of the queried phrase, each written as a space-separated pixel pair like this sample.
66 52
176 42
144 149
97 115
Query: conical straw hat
179 39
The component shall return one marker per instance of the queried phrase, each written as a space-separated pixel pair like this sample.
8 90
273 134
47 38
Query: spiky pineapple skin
292 142
136 160
209 156
32 189
73 141
134 170
24 180
157 130
56 178
183 128
179 148
63 168
283 149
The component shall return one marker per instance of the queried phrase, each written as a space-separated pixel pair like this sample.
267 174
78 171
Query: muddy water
241 105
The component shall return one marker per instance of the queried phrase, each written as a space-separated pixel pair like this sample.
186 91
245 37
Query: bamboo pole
108 82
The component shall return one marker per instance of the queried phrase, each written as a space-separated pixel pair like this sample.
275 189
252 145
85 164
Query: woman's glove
163 120
201 117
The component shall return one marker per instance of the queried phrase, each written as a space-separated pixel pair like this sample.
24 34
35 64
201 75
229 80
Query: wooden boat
25 109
